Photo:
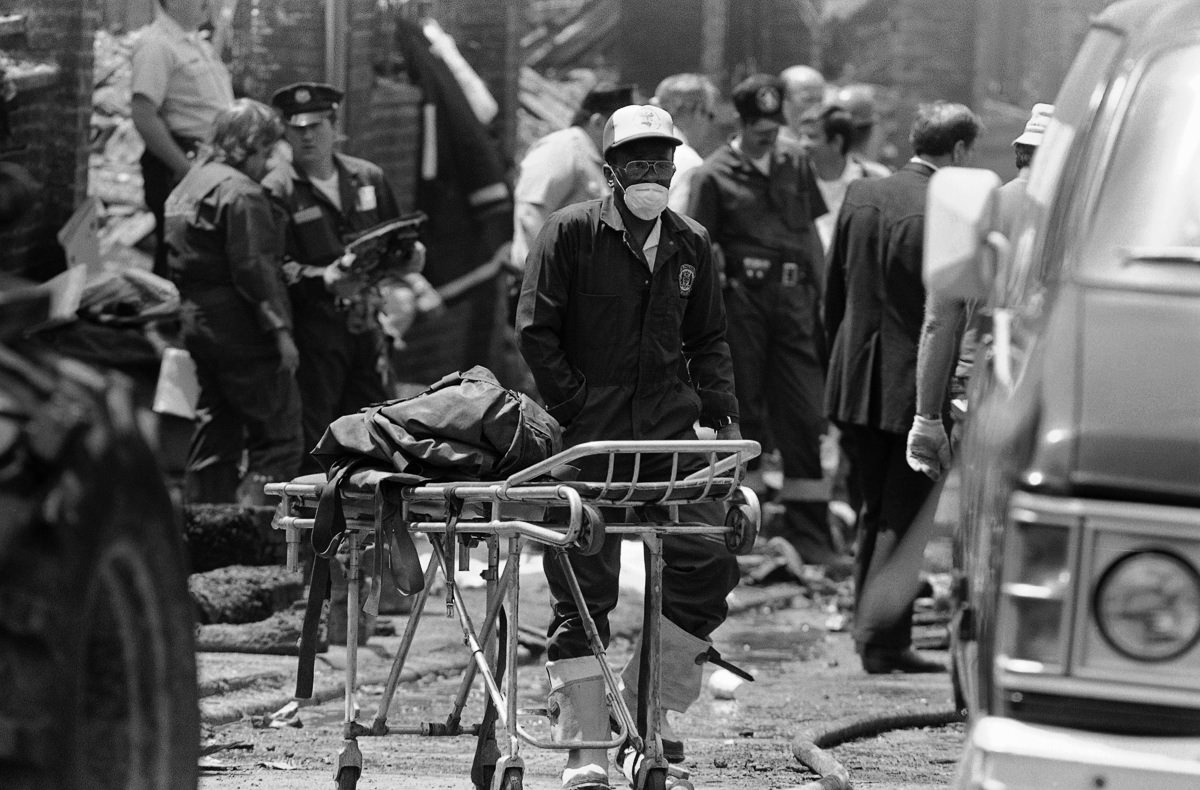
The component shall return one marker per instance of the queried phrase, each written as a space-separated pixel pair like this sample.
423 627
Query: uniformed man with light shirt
179 85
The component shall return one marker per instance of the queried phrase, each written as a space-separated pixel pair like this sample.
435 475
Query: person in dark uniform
759 198
621 321
330 198
225 242
874 307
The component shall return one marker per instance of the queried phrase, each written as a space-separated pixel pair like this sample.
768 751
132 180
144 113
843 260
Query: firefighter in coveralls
225 245
330 198
622 323
759 198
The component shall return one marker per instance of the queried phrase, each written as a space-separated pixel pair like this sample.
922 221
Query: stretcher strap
318 591
407 574
328 526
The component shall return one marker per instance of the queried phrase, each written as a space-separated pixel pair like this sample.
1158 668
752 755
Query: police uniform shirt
686 160
181 74
757 214
562 168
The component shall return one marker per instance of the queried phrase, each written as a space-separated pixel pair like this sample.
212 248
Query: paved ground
808 680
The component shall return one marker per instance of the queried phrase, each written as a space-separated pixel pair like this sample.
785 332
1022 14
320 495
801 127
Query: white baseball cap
637 122
1035 127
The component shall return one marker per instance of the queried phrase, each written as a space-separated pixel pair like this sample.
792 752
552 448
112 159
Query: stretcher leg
469 633
379 724
487 752
510 769
626 726
349 765
648 771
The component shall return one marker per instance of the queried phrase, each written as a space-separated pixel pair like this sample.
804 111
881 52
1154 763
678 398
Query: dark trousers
892 495
697 575
339 371
246 405
157 182
777 347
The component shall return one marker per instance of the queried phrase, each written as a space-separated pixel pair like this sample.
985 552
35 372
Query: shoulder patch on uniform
687 279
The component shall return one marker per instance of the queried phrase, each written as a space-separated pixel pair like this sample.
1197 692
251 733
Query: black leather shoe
889 660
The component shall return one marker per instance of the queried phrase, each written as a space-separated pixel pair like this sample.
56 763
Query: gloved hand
338 278
928 449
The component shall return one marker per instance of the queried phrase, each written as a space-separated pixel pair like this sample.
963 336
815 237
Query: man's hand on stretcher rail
732 431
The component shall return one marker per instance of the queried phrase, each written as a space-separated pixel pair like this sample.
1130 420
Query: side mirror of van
959 214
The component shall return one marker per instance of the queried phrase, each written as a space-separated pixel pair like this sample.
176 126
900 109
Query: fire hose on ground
809 746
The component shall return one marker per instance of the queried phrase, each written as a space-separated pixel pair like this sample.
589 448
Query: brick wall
275 43
50 123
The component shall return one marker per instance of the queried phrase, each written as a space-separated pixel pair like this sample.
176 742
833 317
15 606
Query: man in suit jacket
874 305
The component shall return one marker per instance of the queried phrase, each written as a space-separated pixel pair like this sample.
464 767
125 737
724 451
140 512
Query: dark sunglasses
638 168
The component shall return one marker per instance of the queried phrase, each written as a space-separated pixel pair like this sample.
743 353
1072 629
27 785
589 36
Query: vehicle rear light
1035 591
1148 605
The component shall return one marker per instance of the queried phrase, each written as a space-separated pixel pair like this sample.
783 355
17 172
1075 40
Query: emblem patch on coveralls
687 278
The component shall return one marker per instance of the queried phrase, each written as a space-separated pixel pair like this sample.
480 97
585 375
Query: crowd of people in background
775 275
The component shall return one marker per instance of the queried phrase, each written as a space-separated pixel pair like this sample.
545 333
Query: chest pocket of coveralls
793 201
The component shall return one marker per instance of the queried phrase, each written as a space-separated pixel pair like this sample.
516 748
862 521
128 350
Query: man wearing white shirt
179 85
691 100
825 135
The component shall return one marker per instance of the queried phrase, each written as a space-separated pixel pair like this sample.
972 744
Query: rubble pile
547 105
585 34
114 173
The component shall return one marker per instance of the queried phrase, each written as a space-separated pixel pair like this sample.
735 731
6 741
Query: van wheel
97 655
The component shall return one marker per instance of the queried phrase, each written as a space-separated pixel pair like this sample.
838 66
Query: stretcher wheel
347 778
742 520
591 535
656 779
514 779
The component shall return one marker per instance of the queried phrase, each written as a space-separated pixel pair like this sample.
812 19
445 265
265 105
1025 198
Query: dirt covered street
808 682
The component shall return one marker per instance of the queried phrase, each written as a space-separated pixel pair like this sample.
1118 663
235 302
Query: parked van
1077 632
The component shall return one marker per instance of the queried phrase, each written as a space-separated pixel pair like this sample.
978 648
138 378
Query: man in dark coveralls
759 197
330 199
225 243
874 307
622 323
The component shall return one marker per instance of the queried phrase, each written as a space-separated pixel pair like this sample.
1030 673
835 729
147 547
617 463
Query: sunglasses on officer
639 168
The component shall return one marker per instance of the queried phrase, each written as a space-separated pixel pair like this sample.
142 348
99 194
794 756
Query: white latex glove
337 277
928 449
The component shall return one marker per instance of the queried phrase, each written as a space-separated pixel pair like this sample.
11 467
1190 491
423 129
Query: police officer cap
306 103
638 122
759 96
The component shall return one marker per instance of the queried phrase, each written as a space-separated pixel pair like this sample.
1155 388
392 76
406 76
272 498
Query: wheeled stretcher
454 516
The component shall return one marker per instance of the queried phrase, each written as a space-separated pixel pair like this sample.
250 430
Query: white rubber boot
680 682
578 711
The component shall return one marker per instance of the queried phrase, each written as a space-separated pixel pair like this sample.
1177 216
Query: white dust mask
646 201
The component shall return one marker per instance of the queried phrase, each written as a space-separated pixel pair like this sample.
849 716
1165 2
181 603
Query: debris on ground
278 634
243 593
